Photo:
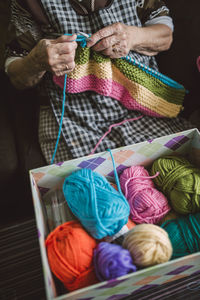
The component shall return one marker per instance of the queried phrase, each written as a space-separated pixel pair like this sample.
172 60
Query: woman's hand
56 56
113 41
118 39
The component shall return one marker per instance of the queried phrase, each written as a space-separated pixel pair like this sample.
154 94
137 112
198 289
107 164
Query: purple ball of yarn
112 261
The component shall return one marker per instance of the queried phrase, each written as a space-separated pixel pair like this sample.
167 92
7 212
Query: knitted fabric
136 87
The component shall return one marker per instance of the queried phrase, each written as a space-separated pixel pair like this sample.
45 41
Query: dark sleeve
23 32
150 9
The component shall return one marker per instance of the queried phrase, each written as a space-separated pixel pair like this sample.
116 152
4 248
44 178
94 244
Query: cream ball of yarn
148 245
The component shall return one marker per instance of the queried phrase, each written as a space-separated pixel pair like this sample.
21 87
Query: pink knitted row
106 87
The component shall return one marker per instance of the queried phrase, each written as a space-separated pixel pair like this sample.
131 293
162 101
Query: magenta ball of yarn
147 204
112 261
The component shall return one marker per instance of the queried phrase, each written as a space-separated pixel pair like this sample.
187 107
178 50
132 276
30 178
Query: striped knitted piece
137 87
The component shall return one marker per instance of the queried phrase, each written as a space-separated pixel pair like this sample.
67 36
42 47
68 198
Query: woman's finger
66 58
112 52
65 63
60 54
65 48
101 34
106 43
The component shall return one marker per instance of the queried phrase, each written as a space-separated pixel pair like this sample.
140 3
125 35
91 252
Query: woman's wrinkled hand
56 56
113 41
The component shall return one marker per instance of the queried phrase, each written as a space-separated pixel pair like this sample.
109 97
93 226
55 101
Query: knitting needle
87 36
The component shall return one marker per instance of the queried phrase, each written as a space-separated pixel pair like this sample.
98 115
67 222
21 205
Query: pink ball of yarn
147 204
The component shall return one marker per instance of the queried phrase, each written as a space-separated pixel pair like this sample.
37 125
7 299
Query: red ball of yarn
70 255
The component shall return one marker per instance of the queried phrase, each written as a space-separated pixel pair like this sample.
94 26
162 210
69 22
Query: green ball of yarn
179 180
184 234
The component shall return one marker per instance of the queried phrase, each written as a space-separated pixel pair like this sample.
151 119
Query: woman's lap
138 131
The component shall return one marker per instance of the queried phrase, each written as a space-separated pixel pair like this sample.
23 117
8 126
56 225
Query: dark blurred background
19 148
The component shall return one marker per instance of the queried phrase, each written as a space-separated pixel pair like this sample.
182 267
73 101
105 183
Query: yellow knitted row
138 92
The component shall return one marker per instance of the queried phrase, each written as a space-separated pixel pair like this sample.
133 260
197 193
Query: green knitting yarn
184 234
179 181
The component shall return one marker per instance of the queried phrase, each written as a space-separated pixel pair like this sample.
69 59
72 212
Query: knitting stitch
136 87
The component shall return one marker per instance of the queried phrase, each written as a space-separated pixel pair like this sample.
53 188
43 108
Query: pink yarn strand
138 177
109 130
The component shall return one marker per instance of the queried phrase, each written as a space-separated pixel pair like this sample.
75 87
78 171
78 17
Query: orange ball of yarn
70 255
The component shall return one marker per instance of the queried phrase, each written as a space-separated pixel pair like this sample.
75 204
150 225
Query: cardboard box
186 143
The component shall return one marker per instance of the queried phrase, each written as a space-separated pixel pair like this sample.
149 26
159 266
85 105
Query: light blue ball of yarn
101 209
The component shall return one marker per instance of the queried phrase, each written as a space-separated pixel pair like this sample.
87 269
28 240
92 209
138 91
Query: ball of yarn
180 181
184 234
147 204
101 209
148 244
70 255
112 261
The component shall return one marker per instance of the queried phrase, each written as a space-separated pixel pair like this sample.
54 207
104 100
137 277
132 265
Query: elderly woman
38 50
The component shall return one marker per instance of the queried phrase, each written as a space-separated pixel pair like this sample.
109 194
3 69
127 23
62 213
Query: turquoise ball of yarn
184 234
101 209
